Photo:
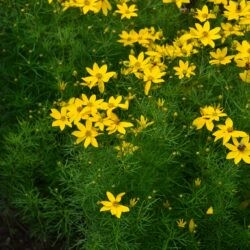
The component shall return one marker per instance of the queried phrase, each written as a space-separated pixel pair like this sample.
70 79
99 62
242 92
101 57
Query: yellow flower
226 132
126 148
98 119
177 2
152 76
210 211
113 205
62 86
184 70
181 223
99 76
104 5
239 150
85 5
143 122
197 182
128 38
204 34
229 29
209 114
245 76
138 64
76 111
133 201
224 2
191 226
61 117
91 104
236 9
114 103
243 50
87 134
203 14
114 124
160 102
220 57
127 11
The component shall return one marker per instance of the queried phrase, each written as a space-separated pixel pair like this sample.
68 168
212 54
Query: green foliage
54 186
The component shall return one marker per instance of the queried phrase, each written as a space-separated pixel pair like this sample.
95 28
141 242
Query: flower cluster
240 150
92 117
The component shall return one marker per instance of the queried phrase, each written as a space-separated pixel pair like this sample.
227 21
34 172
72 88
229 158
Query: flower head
220 57
184 70
203 14
209 114
192 226
86 133
61 117
239 150
210 211
227 131
127 11
204 34
113 205
98 76
181 223
177 2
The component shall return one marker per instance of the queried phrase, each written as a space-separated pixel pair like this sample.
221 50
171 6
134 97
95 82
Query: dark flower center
241 147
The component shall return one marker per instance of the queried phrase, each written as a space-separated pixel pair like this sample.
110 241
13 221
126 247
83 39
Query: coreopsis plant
209 115
113 205
240 150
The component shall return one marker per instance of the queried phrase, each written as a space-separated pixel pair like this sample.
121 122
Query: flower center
150 78
230 129
88 133
86 2
241 147
79 109
205 34
99 75
63 118
115 204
